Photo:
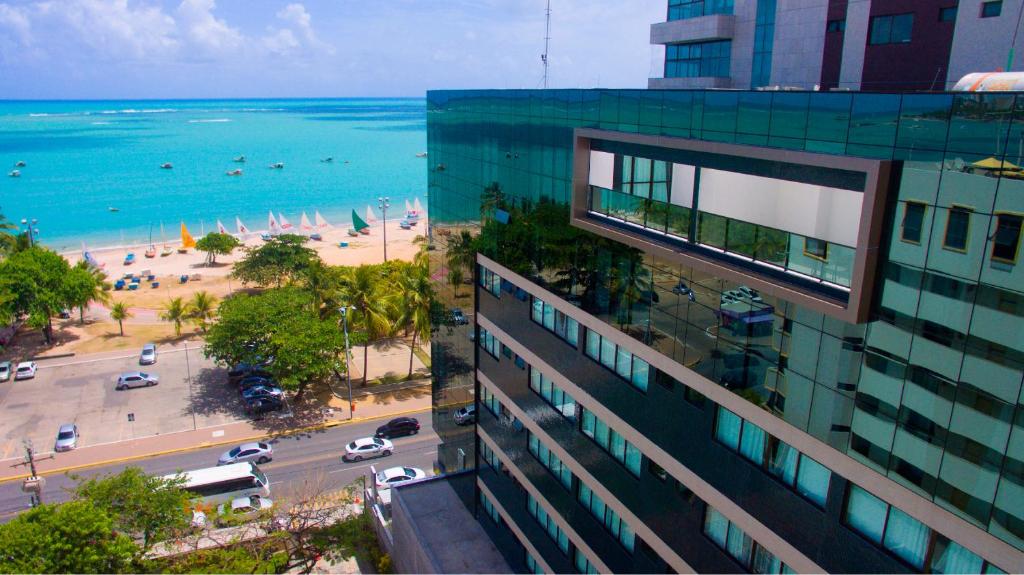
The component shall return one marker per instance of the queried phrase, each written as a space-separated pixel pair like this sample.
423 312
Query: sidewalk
381 402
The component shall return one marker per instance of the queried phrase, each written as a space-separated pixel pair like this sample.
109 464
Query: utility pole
34 484
31 232
384 203
547 38
348 359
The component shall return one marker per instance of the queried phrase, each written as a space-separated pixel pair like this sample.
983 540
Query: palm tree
363 290
321 281
455 278
412 296
96 290
202 308
175 311
491 199
119 312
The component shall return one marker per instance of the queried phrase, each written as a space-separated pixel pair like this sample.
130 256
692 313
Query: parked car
243 370
261 391
750 293
258 406
398 475
255 381
67 437
682 289
26 370
368 447
458 318
243 508
65 313
259 452
148 355
5 370
465 415
398 427
136 379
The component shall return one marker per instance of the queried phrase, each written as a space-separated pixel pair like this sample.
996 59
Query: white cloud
281 42
114 29
15 20
205 31
300 20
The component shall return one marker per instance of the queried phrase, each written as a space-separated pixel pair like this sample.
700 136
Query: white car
398 475
368 447
256 451
26 370
136 379
5 370
244 507
148 355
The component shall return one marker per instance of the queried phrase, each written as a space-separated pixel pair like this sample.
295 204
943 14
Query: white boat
113 209
416 205
15 174
370 216
273 227
221 229
277 166
421 154
304 224
285 224
321 223
236 172
327 160
239 159
242 230
166 166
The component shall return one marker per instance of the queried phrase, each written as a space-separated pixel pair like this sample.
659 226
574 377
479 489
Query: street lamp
385 203
31 232
343 310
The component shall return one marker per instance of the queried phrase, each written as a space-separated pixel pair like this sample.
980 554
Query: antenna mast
547 37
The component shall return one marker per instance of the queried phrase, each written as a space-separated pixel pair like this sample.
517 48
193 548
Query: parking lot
192 393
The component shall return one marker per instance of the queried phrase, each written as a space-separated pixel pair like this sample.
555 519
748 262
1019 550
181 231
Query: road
296 457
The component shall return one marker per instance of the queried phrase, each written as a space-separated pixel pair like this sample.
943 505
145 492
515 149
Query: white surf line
85 361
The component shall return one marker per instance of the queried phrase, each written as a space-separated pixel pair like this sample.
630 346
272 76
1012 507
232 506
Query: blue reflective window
698 60
991 9
891 29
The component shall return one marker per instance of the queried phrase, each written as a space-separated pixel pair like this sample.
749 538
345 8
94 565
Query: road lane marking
84 361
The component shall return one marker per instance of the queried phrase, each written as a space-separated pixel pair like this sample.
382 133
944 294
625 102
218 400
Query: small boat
151 252
304 224
359 225
19 164
129 259
285 224
327 160
166 251
316 237
421 154
273 228
276 166
239 159
113 209
365 231
186 240
321 223
15 174
405 225
166 166
234 173
352 232
266 237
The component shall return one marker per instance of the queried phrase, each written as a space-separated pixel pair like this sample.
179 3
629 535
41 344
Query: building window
488 342
884 525
532 565
698 60
555 321
490 281
611 520
739 545
913 219
991 9
552 394
489 508
764 38
947 14
611 441
548 523
893 29
1006 240
549 460
835 26
683 9
957 227
490 401
583 565
817 249
618 359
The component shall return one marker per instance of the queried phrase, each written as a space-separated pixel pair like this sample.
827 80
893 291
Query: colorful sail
357 223
285 224
240 226
272 226
370 217
221 229
321 223
186 238
416 205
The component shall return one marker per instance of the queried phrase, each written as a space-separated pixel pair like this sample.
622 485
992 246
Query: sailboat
221 229
358 224
167 249
242 230
416 205
186 240
370 217
151 251
285 224
321 223
273 228
304 224
408 206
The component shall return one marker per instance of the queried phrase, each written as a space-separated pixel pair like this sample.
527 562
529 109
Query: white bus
223 483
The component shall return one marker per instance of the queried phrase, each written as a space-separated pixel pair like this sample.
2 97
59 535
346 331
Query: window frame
814 255
1020 236
944 11
960 209
903 222
890 20
984 9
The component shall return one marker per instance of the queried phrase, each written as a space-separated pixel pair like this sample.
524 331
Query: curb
206 444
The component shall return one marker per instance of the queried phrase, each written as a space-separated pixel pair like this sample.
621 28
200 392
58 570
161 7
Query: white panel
602 169
682 185
819 212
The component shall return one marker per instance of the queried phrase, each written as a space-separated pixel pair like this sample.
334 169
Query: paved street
81 391
296 457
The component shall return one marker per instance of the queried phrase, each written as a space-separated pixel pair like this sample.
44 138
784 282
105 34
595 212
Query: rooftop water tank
991 82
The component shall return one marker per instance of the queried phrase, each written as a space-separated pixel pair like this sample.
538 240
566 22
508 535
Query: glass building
733 331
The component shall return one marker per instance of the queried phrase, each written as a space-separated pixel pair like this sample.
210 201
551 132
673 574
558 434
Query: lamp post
384 203
348 357
31 232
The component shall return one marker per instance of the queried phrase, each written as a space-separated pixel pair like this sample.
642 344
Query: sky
157 49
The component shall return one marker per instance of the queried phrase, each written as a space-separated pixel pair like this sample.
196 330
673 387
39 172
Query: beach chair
183 279
150 277
155 285
136 280
133 286
119 285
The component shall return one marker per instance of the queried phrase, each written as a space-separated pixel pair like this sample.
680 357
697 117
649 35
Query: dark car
458 318
257 407
398 427
253 381
244 370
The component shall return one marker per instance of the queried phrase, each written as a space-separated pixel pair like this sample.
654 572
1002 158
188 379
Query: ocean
84 157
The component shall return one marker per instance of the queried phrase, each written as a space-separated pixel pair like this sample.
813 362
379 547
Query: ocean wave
41 115
210 121
100 123
142 111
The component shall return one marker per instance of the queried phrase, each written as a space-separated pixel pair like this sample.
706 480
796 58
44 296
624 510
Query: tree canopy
217 244
35 283
276 262
279 324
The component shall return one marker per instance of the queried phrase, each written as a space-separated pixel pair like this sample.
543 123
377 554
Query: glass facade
764 38
927 393
683 9
698 60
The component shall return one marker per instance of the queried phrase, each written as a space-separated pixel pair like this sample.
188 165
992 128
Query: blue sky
102 49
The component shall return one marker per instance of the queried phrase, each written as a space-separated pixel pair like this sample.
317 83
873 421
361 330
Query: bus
221 484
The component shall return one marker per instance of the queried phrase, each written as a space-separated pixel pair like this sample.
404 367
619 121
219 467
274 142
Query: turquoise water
83 158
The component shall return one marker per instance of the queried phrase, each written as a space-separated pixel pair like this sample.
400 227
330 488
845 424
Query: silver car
136 379
67 437
5 370
257 451
148 356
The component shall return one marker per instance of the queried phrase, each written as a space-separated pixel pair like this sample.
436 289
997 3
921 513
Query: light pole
348 357
385 203
31 232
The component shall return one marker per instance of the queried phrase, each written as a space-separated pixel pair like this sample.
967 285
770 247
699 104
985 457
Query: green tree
250 557
215 244
73 537
175 311
491 199
119 312
279 323
33 282
322 282
148 507
84 287
364 291
275 262
201 309
8 237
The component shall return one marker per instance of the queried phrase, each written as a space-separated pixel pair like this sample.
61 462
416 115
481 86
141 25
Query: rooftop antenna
547 37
